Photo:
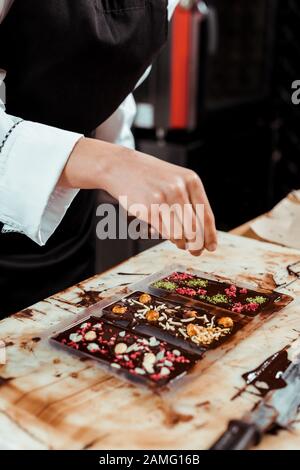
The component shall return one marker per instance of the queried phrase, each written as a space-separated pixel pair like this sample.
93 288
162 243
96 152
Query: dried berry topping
186 291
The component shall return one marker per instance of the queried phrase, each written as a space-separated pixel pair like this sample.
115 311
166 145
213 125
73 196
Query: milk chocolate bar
139 357
190 328
220 294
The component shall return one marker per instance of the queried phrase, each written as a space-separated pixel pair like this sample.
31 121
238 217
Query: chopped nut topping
190 314
119 309
193 330
225 322
152 315
145 298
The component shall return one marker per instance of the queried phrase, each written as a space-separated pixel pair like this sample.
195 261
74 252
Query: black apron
70 64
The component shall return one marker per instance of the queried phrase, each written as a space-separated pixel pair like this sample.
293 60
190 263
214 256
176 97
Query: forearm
91 163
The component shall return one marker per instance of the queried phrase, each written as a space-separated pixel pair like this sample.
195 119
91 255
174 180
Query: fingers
198 196
189 233
184 215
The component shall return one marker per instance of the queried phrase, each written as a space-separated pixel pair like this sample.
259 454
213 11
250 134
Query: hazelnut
192 330
190 314
225 322
119 309
120 348
145 298
90 336
152 315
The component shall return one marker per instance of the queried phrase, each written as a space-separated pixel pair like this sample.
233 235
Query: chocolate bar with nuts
189 328
220 294
140 358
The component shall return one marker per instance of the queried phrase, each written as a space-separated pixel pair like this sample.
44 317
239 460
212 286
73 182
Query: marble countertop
52 400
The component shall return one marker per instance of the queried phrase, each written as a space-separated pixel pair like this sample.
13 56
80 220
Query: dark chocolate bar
220 294
190 328
139 357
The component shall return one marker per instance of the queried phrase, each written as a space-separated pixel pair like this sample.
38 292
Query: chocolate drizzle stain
294 269
268 375
28 313
36 339
88 298
171 417
4 381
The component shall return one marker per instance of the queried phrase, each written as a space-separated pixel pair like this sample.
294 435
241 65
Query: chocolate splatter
294 269
36 339
4 381
173 417
268 375
84 359
88 298
27 313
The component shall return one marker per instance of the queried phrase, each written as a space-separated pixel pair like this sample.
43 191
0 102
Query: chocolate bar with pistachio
140 358
220 294
191 328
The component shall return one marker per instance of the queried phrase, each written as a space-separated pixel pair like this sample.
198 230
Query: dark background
246 142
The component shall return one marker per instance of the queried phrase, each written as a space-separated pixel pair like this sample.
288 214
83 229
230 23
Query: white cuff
31 163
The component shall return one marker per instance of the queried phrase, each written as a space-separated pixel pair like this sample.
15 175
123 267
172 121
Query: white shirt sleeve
32 158
117 128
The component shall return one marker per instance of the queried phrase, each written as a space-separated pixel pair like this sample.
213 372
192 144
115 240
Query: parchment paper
282 224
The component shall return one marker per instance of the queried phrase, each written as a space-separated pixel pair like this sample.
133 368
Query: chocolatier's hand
147 187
